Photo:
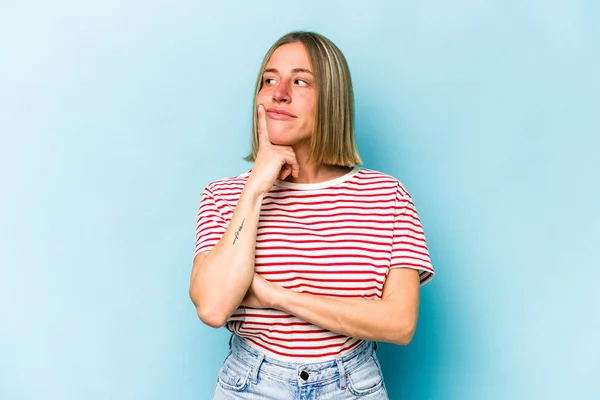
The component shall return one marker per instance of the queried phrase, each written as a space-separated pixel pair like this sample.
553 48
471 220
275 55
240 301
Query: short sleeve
409 248
210 226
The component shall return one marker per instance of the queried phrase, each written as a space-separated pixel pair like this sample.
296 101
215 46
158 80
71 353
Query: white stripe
298 234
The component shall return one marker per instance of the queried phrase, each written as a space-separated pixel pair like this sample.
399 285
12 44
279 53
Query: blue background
115 114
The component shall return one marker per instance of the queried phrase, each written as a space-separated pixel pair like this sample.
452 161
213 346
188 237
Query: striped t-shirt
336 238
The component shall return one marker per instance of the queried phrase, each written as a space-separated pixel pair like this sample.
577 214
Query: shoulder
234 183
380 178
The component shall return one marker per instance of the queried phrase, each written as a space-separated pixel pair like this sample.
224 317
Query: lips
280 112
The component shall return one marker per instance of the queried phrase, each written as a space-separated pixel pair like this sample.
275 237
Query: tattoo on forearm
237 234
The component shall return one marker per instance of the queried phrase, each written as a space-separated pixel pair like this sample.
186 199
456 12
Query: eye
269 81
300 82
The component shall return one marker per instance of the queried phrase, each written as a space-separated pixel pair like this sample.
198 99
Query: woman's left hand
262 293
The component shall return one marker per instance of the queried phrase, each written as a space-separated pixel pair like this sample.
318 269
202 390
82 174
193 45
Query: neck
313 172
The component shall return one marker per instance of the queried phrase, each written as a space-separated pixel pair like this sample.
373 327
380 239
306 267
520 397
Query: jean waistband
302 372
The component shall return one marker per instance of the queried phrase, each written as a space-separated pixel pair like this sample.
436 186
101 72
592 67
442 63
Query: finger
295 170
263 133
285 172
292 162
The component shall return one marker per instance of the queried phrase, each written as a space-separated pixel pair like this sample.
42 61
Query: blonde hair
332 141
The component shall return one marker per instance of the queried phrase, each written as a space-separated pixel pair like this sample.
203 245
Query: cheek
311 109
262 96
310 103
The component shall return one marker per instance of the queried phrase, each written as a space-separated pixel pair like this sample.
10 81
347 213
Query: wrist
252 194
280 296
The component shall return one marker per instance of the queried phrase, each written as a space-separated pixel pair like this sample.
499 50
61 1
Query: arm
220 278
392 319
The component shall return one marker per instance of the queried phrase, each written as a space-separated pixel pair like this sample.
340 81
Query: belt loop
254 370
375 346
343 375
230 340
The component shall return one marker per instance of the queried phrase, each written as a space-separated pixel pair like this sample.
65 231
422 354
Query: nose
281 93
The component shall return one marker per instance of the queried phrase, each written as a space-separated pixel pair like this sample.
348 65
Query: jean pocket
365 379
234 375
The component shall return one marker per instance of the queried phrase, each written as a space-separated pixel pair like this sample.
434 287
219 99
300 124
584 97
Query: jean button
304 375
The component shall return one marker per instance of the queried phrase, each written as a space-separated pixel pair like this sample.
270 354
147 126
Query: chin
282 138
286 135
279 141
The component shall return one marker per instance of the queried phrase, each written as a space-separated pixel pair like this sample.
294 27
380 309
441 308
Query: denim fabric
248 374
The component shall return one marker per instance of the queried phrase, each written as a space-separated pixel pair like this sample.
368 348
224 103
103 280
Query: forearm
380 320
222 279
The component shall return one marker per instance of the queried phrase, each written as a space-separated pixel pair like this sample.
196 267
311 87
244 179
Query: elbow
210 314
404 340
211 317
403 333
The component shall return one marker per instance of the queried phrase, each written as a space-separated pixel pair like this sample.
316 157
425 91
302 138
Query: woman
307 258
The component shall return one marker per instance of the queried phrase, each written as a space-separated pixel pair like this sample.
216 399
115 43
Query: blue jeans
248 374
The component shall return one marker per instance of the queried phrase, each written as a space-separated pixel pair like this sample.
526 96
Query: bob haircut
332 139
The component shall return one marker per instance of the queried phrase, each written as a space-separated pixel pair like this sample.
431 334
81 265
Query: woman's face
288 94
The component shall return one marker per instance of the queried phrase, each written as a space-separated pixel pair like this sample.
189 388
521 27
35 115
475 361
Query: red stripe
398 224
371 219
283 346
271 350
290 332
203 235
267 315
398 231
408 265
271 248
348 192
315 214
264 334
314 264
420 244
283 228
349 296
299 272
312 224
336 234
271 323
336 288
316 256
323 280
283 240
322 202
338 207
426 276
401 257
209 225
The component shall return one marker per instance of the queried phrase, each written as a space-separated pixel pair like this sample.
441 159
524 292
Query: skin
288 86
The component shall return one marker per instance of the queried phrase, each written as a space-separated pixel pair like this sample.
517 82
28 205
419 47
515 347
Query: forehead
289 56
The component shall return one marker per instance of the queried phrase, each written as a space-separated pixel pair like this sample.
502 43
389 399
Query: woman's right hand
272 161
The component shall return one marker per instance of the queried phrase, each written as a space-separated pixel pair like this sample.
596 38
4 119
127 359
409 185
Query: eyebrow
294 70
